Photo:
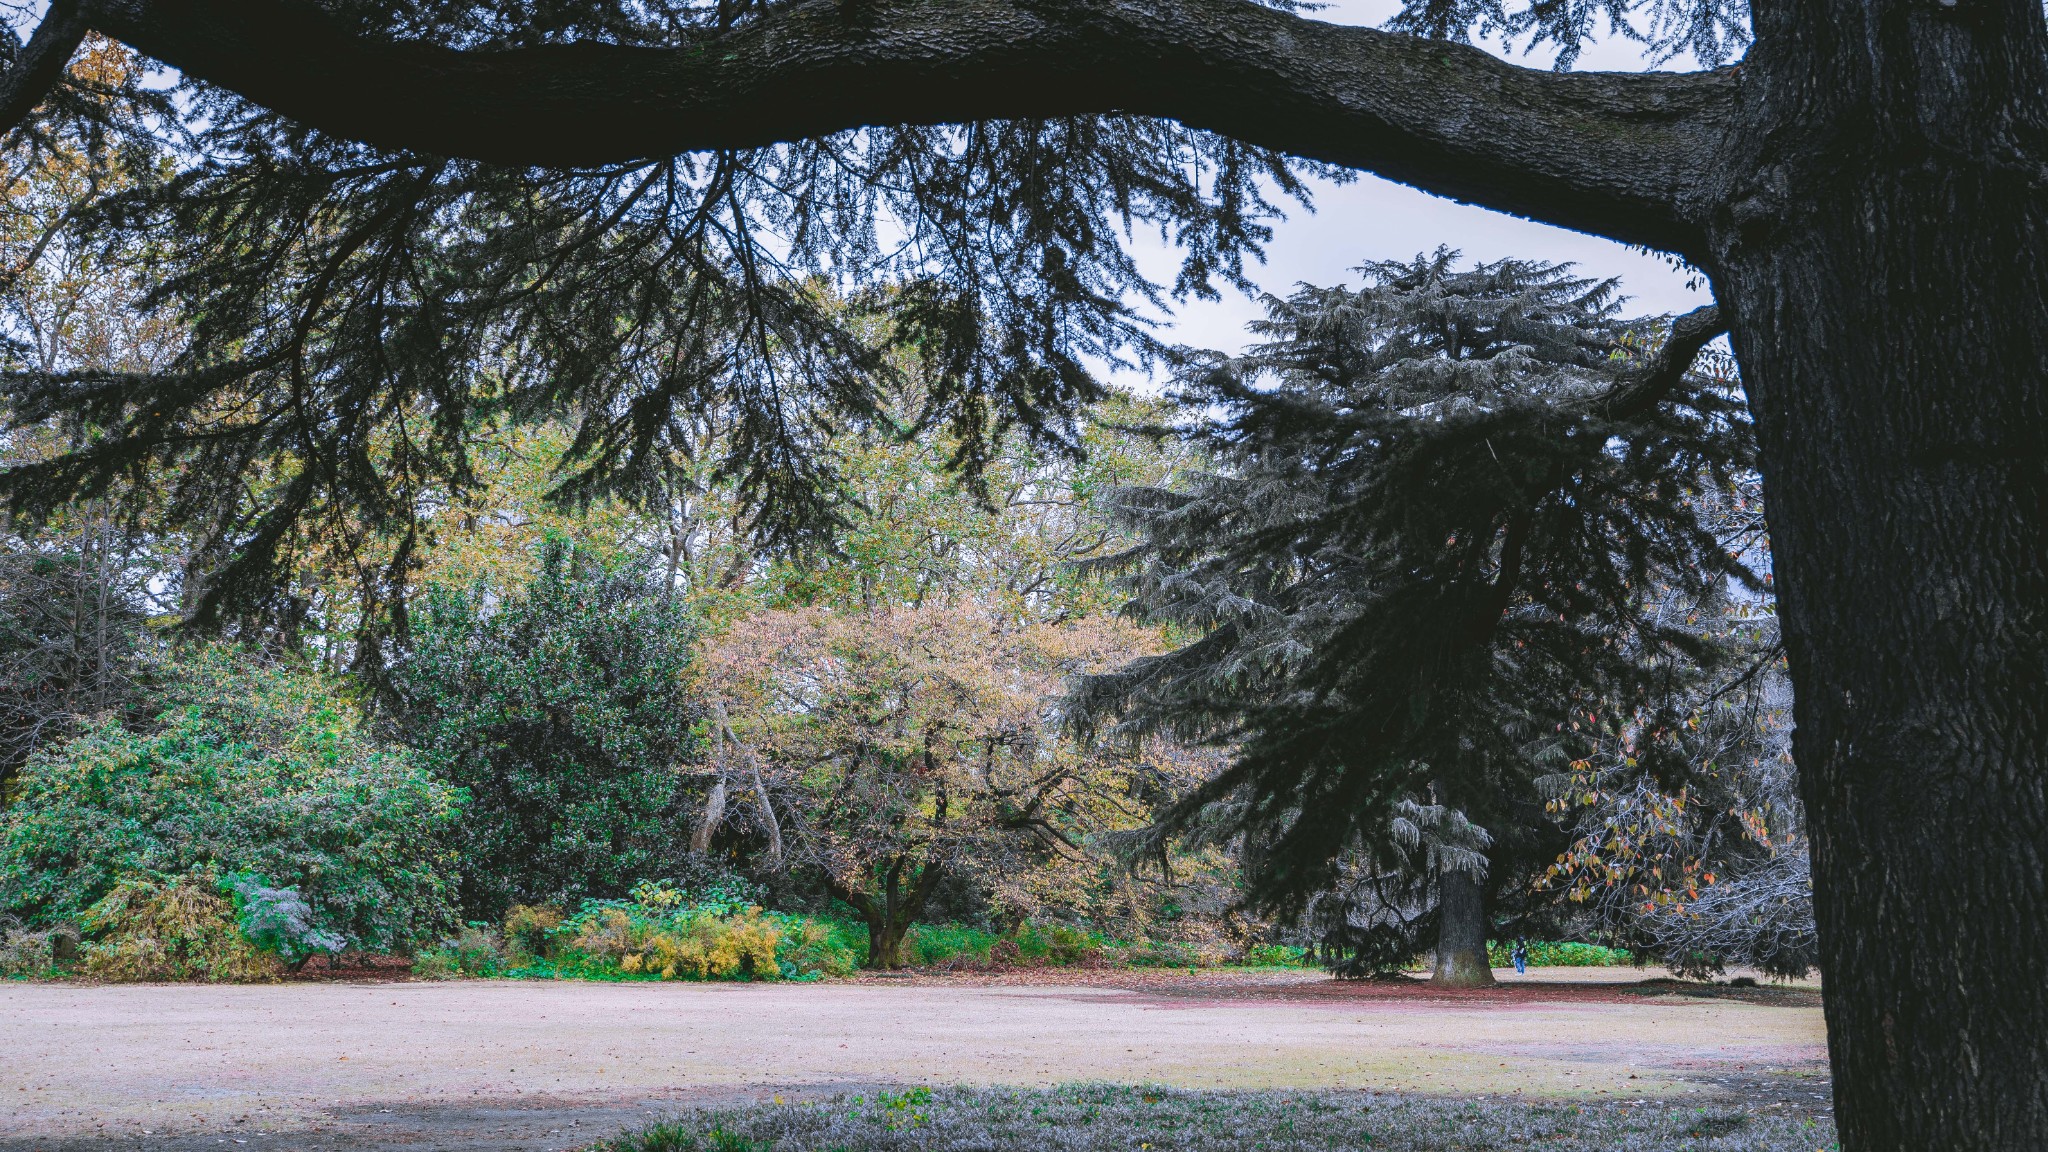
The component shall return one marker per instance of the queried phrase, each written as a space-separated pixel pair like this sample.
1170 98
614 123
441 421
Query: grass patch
1102 1118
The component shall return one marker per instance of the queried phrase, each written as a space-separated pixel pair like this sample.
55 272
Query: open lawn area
545 1065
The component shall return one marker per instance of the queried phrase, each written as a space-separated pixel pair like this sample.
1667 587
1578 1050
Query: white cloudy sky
1373 219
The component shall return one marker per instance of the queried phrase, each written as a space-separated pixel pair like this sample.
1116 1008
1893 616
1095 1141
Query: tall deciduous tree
1864 191
75 588
910 746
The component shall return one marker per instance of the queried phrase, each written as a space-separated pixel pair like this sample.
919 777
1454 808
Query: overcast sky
1373 219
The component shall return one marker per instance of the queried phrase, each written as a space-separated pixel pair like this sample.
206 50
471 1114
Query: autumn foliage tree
1688 834
904 746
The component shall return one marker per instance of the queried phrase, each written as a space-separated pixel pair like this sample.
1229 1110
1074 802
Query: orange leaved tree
903 746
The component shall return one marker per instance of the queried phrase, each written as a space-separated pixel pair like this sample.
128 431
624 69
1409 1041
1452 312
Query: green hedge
1557 954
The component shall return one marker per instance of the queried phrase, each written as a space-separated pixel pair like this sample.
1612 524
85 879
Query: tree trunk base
1461 934
1462 969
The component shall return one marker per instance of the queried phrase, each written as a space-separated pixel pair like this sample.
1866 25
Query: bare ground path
536 1065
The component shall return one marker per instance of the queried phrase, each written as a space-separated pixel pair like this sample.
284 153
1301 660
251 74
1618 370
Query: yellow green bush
529 927
707 948
660 932
678 945
605 934
183 930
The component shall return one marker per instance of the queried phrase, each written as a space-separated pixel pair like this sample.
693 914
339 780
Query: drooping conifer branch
1610 153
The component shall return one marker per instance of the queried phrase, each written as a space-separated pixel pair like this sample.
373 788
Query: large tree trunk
885 944
1887 267
1461 933
713 816
890 913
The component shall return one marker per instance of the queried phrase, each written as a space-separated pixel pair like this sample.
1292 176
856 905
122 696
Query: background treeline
1444 614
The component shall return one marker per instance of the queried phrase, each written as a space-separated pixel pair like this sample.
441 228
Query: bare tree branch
1616 154
1689 334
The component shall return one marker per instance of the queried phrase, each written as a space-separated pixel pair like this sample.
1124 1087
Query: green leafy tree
1014 539
1419 572
564 711
252 768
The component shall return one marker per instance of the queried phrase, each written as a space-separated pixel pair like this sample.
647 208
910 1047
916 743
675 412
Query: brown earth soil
556 1064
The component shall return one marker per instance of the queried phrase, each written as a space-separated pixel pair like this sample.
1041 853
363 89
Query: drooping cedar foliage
352 320
1425 565
353 316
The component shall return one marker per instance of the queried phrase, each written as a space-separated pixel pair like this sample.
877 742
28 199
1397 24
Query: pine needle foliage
1420 568
355 319
348 320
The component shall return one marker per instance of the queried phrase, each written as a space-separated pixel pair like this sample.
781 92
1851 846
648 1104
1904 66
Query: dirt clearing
508 1064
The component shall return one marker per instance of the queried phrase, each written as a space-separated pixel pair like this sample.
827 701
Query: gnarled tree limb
1608 153
36 66
1651 383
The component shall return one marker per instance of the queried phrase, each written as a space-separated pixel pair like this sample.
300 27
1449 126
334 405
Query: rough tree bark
1447 116
713 816
1882 252
1868 193
1461 933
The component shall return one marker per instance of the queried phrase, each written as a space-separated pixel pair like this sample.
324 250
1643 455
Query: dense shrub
1056 945
254 769
26 951
935 944
718 932
1278 956
182 930
474 951
563 709
811 948
660 932
658 936
279 921
529 928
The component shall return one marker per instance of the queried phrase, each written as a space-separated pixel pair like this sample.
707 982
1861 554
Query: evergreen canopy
1441 505
356 305
355 317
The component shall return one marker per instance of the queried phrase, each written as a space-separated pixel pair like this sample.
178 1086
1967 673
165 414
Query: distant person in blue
1521 956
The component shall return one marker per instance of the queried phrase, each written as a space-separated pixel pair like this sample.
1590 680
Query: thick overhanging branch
33 69
1612 154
